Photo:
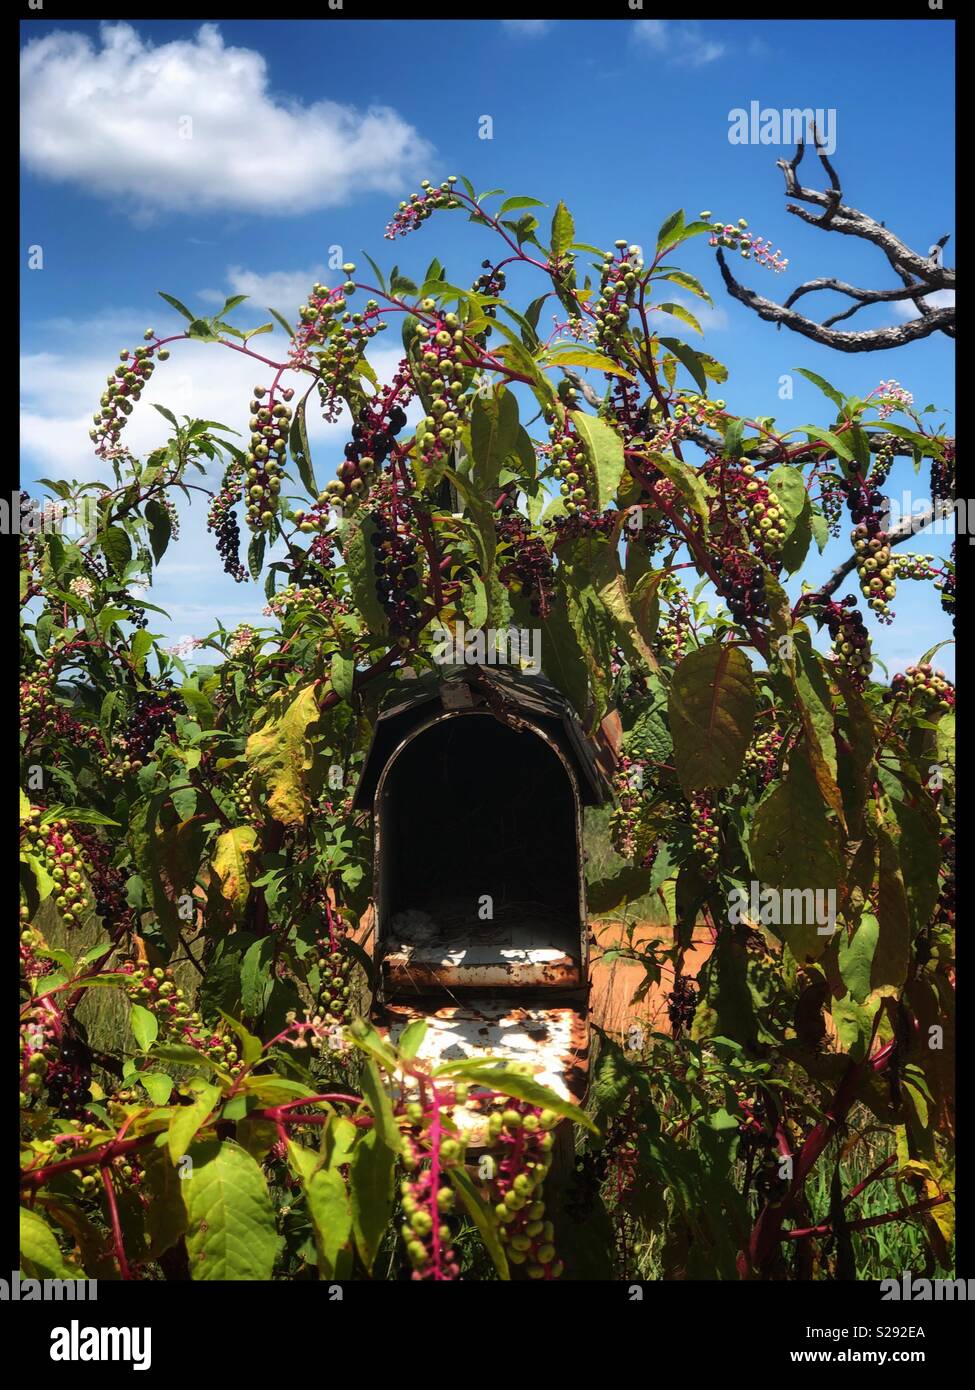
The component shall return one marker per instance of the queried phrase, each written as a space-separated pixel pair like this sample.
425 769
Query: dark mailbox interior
470 807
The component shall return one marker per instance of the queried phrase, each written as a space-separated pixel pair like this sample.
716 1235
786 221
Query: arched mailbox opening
479 854
476 779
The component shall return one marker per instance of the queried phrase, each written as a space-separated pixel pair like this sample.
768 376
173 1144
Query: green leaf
604 450
583 357
671 231
687 481
328 1205
187 1120
494 430
789 488
690 359
282 321
856 956
678 311
371 1180
159 1086
40 1254
379 1103
117 548
412 1037
563 230
144 1025
823 385
358 554
160 528
496 1074
510 204
483 1218
684 280
177 305
712 714
301 450
230 1230
839 446
342 672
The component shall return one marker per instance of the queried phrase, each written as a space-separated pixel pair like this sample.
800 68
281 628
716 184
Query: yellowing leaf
280 753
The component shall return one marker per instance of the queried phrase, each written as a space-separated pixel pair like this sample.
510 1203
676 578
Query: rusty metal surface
554 1041
523 949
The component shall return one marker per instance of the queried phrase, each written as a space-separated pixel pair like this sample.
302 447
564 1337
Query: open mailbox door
476 783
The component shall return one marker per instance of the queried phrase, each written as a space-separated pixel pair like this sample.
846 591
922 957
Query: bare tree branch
919 275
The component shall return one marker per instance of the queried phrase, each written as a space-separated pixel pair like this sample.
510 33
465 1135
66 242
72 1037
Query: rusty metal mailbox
476 780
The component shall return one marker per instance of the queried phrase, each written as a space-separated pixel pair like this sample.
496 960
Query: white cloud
530 28
283 290
681 43
113 120
938 299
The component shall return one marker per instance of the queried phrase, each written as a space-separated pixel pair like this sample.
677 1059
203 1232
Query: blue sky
305 135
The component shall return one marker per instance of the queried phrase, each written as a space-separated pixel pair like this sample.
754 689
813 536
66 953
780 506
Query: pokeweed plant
190 855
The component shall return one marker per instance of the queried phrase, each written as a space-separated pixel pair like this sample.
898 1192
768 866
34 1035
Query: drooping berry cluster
681 1004
674 629
41 716
222 520
395 561
764 518
946 586
524 562
925 689
333 339
270 423
373 440
750 247
581 522
56 848
762 756
427 1201
619 286
492 283
442 371
875 568
124 387
570 465
153 715
524 1140
420 206
68 1078
741 583
943 475
335 967
634 835
240 794
40 1032
705 835
108 882
851 642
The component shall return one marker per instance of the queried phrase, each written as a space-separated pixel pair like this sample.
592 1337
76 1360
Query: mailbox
477 779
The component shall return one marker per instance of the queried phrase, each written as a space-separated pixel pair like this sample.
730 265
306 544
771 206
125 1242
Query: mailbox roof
505 692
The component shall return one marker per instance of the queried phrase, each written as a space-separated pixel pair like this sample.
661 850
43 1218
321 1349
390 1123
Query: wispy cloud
937 299
682 43
192 126
283 290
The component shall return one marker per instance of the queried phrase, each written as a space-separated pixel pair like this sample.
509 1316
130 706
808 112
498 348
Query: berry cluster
335 337
42 717
943 475
492 283
764 518
634 834
335 966
946 586
762 756
373 440
153 715
891 396
525 564
619 286
851 642
108 883
39 1050
156 990
240 794
910 566
581 523
569 464
524 1135
124 387
738 238
54 845
426 1204
741 582
420 206
395 563
681 1004
925 689
68 1078
270 423
874 566
673 632
705 835
441 374
222 520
